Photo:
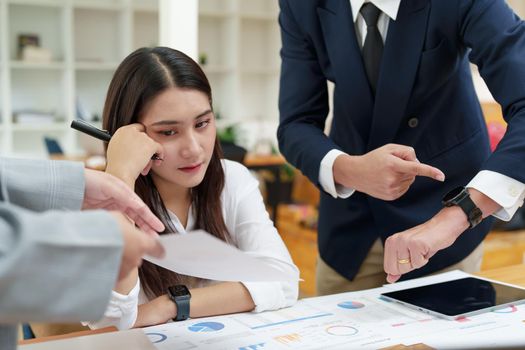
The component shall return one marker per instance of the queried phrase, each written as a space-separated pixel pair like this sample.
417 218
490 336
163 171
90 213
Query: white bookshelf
88 39
242 41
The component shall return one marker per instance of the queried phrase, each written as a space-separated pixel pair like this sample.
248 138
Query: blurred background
58 56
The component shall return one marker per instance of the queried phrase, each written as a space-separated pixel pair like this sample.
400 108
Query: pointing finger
418 169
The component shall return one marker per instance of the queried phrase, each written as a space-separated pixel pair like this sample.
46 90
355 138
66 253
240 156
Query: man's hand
411 249
385 173
136 245
104 191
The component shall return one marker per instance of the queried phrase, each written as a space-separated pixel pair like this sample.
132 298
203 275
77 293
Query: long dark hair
142 76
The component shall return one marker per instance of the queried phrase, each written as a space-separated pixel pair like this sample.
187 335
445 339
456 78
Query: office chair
233 152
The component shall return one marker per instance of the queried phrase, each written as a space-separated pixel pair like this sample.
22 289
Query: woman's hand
157 311
129 153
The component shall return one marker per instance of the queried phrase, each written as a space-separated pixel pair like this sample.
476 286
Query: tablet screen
459 297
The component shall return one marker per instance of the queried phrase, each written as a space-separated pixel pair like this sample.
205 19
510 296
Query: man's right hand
136 245
384 173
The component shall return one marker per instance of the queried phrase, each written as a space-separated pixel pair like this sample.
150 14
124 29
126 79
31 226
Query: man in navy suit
404 105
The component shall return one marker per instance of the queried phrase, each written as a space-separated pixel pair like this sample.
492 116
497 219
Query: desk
356 319
69 335
253 161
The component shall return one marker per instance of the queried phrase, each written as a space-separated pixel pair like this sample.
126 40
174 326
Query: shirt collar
390 7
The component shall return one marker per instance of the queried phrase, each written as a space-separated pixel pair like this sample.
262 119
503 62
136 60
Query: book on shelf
36 55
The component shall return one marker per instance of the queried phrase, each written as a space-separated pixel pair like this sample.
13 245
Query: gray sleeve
56 266
42 184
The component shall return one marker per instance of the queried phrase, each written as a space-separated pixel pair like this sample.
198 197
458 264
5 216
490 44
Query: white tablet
458 298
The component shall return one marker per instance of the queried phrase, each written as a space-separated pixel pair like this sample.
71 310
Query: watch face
452 194
179 290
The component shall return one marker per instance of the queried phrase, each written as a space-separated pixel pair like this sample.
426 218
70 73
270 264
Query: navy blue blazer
425 79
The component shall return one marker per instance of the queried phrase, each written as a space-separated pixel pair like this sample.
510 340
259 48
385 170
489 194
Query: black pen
91 130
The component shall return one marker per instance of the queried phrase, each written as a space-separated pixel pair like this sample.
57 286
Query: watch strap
183 309
182 301
463 200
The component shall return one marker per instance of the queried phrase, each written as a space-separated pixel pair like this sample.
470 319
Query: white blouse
250 229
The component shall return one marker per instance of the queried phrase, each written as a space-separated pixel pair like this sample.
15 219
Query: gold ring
403 261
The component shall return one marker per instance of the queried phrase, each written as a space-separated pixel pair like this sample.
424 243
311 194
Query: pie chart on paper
342 330
206 327
351 305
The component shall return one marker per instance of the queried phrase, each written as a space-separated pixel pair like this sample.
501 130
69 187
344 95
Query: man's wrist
457 217
342 170
483 202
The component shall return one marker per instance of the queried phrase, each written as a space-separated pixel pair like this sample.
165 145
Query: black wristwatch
181 296
459 196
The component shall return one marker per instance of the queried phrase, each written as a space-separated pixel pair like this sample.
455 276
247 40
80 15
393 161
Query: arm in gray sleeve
41 184
56 266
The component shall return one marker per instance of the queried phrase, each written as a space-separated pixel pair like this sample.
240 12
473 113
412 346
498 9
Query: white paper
202 255
354 320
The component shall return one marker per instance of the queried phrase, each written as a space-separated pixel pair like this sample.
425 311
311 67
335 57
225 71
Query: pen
91 130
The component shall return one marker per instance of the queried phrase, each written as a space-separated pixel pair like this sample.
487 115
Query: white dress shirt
507 192
250 229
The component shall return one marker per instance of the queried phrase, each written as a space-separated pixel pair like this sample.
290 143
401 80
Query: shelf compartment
87 44
259 9
17 64
260 43
43 21
258 97
145 29
215 41
91 89
146 5
38 90
216 8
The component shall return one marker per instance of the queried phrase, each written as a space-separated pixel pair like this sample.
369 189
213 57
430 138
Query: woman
159 105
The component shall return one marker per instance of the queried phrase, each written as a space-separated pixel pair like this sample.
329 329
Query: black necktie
373 46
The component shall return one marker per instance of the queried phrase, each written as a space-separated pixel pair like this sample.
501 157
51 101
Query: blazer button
413 122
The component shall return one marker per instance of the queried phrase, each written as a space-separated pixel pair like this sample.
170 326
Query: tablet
458 298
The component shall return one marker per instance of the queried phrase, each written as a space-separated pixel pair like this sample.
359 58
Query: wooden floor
502 249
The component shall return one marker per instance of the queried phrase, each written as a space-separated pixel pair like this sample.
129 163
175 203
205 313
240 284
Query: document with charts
356 320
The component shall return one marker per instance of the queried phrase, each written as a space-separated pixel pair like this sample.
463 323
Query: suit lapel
345 56
400 62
